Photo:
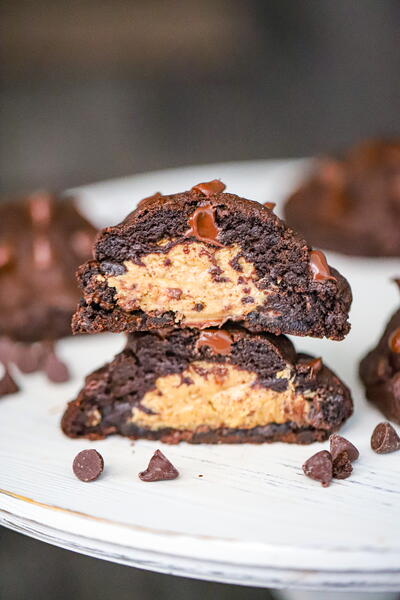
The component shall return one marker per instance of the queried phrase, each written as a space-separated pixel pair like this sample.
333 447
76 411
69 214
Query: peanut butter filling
195 281
214 395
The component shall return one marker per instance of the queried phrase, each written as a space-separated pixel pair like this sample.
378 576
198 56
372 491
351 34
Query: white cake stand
253 518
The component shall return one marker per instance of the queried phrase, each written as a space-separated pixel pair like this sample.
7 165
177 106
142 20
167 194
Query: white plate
253 518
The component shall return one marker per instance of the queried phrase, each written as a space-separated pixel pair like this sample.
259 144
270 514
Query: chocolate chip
319 467
269 205
159 469
319 266
209 188
394 341
219 342
88 465
152 197
55 369
339 444
341 466
384 439
111 268
7 384
198 307
315 366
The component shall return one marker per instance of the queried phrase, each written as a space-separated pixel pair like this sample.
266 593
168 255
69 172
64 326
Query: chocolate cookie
380 371
352 204
206 258
216 385
43 240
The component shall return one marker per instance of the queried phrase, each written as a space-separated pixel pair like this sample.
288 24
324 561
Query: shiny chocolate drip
269 205
152 197
220 342
394 341
209 188
315 366
203 226
319 266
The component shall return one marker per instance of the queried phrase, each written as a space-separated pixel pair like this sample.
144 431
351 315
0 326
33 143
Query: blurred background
95 89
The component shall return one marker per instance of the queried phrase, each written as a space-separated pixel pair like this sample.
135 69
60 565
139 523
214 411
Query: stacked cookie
207 284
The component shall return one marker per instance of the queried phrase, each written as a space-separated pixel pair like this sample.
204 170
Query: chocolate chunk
7 384
339 444
319 467
55 369
341 466
88 465
203 226
319 266
384 439
394 341
159 469
269 205
220 342
198 307
209 188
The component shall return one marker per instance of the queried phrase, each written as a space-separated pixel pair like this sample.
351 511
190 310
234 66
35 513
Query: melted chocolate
394 341
269 205
220 342
156 195
319 266
209 188
315 365
203 226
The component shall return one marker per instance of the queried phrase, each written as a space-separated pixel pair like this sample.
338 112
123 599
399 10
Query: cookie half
205 258
211 386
